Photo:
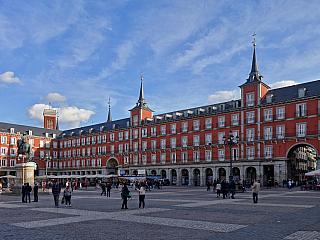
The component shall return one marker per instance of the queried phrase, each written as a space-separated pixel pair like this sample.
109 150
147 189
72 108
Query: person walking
232 189
103 188
125 194
142 194
56 189
108 189
255 191
28 190
227 189
208 186
67 193
218 188
35 192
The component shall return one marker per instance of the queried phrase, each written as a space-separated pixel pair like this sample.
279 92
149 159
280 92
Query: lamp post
46 159
232 140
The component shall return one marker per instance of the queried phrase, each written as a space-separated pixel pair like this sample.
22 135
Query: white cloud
7 77
71 116
283 83
222 96
53 97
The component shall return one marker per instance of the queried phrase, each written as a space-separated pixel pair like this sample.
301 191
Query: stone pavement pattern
170 213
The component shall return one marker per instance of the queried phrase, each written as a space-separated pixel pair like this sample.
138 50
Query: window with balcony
250 153
235 119
163 130
13 141
144 146
120 148
221 121
163 143
144 159
3 139
69 153
268 151
208 138
250 134
144 132
185 127
12 162
83 141
301 110
173 142
153 131
99 162
208 123
126 147
112 136
280 113
268 133
73 142
88 140
221 154
135 120
220 137
184 157
78 142
250 118
163 158
135 146
173 128
208 155
153 144
153 158
268 115
112 149
93 151
196 140
94 140
88 151
196 125
301 129
78 152
126 135
184 141
173 157
196 156
120 136
126 160
104 138
83 152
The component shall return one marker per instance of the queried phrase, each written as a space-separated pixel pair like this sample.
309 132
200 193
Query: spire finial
141 76
109 119
254 39
109 102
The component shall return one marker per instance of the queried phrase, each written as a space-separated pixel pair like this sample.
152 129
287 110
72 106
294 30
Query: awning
313 173
8 176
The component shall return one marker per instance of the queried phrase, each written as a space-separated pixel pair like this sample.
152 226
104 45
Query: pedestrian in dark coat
108 189
56 189
232 189
28 190
35 192
223 189
208 186
125 194
103 188
23 191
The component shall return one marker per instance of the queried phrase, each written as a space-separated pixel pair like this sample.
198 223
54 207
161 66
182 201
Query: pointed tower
141 111
109 113
254 89
57 126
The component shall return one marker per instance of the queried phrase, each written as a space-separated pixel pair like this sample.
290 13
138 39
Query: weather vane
109 101
254 39
141 75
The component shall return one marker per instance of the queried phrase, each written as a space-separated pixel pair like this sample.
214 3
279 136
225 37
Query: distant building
278 132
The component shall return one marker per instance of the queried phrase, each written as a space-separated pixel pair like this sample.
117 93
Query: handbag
129 195
62 200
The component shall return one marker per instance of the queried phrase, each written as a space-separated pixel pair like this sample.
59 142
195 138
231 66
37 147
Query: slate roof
291 92
36 131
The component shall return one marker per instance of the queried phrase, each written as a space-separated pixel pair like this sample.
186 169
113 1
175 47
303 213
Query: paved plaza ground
174 212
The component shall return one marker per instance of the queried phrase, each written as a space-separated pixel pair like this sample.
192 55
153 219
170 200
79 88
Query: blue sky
75 54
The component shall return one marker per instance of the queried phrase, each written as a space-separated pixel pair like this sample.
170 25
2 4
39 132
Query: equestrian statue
24 147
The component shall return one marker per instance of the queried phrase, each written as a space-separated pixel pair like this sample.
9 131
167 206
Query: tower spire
254 74
109 113
57 125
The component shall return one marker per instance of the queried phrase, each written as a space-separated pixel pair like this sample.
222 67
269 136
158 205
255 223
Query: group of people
225 188
26 192
125 194
106 189
67 193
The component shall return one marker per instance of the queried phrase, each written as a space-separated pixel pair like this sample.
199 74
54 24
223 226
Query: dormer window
11 130
128 124
222 107
113 126
47 135
269 98
301 92
30 133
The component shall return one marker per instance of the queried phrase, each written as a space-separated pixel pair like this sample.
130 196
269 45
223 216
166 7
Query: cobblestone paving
170 213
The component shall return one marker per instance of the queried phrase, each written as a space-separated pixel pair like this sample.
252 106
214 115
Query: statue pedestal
24 174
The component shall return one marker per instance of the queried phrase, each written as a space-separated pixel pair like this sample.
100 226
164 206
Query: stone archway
173 179
222 174
236 174
196 177
153 172
112 166
251 175
302 159
163 173
184 177
209 175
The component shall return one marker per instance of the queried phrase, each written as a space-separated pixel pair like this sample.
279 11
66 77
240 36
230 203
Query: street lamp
232 140
46 159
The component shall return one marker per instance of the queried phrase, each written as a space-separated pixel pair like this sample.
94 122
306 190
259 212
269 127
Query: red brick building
278 132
